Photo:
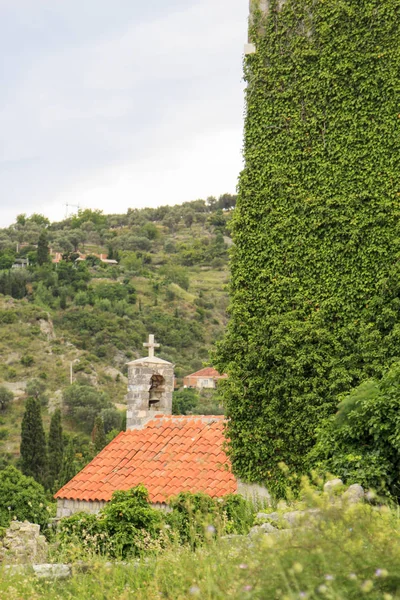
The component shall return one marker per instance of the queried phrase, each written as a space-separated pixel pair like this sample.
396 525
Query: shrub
195 516
27 361
127 526
22 498
7 316
361 442
6 396
175 274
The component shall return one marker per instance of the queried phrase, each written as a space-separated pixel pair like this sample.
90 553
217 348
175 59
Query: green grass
347 555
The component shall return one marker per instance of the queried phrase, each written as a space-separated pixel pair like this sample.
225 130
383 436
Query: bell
154 397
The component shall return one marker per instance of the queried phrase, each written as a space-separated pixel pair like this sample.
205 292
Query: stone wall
66 508
253 492
23 543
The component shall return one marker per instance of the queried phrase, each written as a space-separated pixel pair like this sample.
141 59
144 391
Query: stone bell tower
150 387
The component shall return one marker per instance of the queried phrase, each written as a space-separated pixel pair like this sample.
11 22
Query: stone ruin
23 544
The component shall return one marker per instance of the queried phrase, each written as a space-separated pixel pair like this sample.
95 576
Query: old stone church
167 454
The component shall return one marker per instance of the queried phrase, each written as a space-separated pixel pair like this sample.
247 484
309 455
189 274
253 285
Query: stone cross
151 346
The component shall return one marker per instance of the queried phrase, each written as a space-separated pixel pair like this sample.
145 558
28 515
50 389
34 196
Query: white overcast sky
114 104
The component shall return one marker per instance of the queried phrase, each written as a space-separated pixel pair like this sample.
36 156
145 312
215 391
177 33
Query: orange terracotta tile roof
170 455
207 372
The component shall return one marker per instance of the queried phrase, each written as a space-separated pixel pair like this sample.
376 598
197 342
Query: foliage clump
196 516
315 272
361 442
22 498
129 526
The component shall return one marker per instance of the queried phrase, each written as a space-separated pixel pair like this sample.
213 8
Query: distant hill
166 273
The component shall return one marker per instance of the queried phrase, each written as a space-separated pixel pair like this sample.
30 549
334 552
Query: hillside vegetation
167 276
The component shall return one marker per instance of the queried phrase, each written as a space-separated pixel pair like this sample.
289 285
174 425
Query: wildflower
303 595
298 567
247 588
381 573
367 586
210 529
194 590
352 576
322 589
243 566
329 577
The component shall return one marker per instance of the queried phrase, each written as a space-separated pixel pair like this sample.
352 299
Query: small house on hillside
167 454
21 263
204 379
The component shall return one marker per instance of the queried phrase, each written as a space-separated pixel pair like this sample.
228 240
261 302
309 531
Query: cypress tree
55 448
68 467
43 251
315 281
98 434
33 443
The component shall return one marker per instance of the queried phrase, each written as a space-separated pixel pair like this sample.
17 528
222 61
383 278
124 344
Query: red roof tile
207 372
170 455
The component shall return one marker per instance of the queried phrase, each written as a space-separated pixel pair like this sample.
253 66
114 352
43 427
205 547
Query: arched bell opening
156 391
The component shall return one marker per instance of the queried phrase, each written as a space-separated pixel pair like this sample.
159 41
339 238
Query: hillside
166 275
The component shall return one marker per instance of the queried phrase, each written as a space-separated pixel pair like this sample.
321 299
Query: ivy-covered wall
315 292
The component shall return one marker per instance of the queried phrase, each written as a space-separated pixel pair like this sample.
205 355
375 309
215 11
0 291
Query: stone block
52 571
355 493
332 485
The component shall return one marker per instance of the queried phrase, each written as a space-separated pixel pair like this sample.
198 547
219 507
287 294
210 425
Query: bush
175 274
195 516
27 361
6 396
7 317
127 526
22 498
361 442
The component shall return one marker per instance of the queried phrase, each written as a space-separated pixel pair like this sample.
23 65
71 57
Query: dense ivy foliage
315 272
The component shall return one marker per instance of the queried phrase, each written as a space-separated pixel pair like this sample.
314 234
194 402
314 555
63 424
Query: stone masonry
23 543
150 388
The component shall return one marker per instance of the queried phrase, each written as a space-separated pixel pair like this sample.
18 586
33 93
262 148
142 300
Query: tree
36 389
39 220
68 467
6 396
184 401
55 448
43 251
84 403
188 217
22 498
315 272
98 435
33 442
7 258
